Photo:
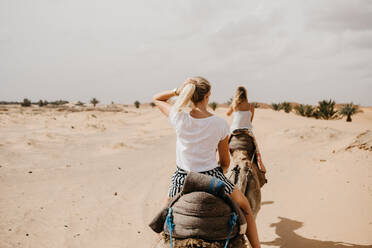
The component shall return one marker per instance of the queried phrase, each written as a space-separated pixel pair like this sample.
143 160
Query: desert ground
76 178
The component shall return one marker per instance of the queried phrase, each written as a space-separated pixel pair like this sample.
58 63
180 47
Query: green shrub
325 110
26 103
79 103
286 106
42 103
152 104
137 104
276 106
305 110
59 102
349 110
213 105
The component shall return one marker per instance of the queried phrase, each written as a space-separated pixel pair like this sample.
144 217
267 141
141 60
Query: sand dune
74 178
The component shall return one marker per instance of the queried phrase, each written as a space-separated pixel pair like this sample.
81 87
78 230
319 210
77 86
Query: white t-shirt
197 140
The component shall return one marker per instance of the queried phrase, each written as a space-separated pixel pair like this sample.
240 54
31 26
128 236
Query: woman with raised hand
199 134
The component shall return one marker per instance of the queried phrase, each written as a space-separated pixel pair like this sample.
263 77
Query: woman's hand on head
188 81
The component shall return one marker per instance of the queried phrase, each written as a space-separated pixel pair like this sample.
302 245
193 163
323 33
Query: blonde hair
195 92
240 96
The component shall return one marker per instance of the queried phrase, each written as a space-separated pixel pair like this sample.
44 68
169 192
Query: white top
197 140
242 119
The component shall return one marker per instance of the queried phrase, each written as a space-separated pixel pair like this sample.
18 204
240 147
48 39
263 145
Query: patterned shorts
179 176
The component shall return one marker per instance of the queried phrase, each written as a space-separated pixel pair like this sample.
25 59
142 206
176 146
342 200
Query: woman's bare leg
252 234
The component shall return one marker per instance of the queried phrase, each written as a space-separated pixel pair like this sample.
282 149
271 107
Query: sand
72 178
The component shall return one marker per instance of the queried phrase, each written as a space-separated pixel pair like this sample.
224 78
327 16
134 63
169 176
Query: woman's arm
223 154
161 99
252 110
229 112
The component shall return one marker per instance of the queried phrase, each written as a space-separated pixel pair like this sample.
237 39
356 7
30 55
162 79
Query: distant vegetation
94 101
256 104
9 103
79 103
276 106
137 104
304 110
152 104
286 106
26 103
326 109
42 103
213 105
349 110
59 102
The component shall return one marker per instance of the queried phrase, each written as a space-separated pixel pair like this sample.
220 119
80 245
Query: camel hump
242 140
201 210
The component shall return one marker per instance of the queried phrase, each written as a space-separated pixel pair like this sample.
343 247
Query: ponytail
184 98
240 96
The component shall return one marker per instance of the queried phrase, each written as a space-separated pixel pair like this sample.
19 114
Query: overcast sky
121 51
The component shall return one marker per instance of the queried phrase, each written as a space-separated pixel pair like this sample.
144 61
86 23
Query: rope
170 224
232 223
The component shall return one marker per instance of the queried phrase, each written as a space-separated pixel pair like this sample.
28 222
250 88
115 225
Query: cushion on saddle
201 210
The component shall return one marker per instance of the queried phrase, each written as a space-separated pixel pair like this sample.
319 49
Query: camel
244 173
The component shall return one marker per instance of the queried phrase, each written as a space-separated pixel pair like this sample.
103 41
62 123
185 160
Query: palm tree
94 101
137 104
326 110
349 110
213 105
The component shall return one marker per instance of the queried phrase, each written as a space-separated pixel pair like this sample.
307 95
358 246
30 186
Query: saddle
202 210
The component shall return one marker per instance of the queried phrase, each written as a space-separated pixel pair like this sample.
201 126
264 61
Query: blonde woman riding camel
243 114
199 134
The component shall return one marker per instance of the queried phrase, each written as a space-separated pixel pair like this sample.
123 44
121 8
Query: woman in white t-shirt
199 134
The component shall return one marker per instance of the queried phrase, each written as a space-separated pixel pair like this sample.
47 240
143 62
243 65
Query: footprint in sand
363 141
